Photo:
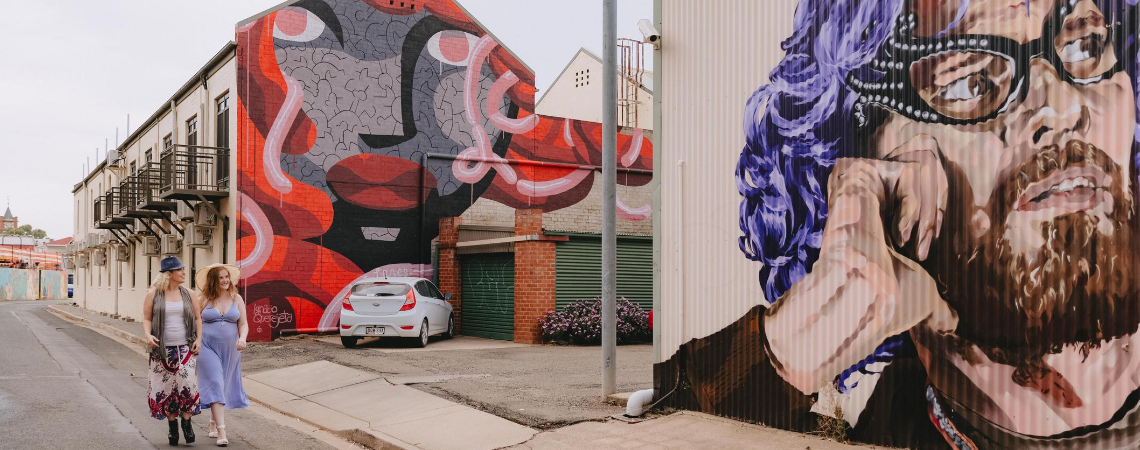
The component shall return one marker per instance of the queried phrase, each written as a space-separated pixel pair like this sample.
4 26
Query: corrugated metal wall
945 192
712 60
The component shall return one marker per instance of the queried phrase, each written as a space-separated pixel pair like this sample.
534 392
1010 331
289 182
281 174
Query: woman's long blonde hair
161 283
212 289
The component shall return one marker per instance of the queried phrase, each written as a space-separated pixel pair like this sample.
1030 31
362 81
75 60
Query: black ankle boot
188 431
172 436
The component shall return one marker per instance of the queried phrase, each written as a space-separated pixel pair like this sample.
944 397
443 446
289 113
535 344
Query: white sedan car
395 307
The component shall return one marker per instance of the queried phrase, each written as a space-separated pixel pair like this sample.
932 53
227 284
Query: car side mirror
447 296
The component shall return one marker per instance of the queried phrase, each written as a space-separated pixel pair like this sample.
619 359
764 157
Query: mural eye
452 47
297 25
966 88
963 85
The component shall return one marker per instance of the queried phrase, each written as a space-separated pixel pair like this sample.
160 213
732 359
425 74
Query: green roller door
488 295
579 270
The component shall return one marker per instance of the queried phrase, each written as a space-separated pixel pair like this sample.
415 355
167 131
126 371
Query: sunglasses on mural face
968 79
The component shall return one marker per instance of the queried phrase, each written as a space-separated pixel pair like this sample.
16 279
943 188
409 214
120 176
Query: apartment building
166 190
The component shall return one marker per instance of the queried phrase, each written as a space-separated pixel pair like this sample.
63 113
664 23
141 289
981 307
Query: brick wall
586 215
449 279
534 277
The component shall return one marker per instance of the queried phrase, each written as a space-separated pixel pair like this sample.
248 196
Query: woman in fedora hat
223 338
171 324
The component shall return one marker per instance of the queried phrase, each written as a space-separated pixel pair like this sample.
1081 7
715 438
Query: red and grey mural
943 198
362 123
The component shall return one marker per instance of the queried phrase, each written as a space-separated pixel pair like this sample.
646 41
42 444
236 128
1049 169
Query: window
134 168
134 266
166 163
434 292
422 289
222 127
149 156
192 153
222 140
380 289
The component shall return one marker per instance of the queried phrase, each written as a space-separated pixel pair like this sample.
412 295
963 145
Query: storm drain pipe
635 406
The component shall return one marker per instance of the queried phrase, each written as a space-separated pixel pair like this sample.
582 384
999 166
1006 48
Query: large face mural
364 122
943 195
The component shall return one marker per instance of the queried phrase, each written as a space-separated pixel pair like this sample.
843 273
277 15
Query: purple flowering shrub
580 323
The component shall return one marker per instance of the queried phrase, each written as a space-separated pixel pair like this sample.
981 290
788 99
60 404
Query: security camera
649 33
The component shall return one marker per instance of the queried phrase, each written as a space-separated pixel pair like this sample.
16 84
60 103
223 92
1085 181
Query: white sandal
222 442
213 429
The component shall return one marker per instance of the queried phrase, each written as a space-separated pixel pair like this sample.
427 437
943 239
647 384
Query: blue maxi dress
219 362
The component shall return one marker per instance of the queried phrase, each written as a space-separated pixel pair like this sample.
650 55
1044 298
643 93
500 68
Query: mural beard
1079 290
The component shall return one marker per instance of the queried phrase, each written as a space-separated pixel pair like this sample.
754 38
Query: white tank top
175 328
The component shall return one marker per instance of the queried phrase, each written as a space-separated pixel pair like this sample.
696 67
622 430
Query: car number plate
373 330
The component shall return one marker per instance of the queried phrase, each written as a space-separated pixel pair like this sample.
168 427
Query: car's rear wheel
422 341
349 341
450 333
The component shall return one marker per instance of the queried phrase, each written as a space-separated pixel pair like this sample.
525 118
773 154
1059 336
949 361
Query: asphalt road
67 387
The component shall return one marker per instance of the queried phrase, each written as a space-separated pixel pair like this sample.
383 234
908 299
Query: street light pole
609 197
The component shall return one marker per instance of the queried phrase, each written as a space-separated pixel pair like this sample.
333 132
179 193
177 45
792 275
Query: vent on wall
582 78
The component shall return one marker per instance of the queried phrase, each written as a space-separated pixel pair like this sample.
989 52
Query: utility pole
609 197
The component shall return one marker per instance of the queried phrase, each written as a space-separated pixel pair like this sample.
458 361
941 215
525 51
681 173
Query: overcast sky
75 69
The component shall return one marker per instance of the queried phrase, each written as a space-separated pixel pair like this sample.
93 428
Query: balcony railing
108 211
124 198
135 189
148 184
195 173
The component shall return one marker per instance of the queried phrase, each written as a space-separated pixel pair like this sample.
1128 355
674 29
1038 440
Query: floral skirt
173 384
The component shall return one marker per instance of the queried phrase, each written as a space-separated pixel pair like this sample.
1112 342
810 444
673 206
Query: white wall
577 94
713 57
96 286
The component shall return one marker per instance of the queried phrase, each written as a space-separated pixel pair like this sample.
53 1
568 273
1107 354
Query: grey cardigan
158 321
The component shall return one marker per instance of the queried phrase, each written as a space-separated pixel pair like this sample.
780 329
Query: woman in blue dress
224 329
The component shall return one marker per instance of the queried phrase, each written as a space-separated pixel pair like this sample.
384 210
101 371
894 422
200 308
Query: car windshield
380 289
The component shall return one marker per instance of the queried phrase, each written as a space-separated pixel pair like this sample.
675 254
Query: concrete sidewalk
379 410
344 399
682 430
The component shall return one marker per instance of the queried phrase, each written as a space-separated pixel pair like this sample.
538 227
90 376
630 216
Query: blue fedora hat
170 263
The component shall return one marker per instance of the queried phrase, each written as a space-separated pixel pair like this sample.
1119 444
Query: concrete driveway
538 386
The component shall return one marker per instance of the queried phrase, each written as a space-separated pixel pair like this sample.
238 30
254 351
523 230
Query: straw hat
200 275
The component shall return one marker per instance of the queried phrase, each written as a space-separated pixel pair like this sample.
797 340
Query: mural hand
920 191
860 291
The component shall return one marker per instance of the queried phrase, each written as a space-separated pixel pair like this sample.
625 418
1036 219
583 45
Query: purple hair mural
942 195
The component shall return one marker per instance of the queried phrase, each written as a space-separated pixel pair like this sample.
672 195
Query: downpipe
635 406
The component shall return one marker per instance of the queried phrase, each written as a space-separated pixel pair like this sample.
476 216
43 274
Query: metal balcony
106 212
193 172
148 184
132 205
124 197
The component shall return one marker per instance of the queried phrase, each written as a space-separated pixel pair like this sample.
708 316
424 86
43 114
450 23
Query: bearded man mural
943 195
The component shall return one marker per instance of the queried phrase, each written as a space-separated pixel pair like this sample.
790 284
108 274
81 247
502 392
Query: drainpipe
115 275
635 406
86 207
